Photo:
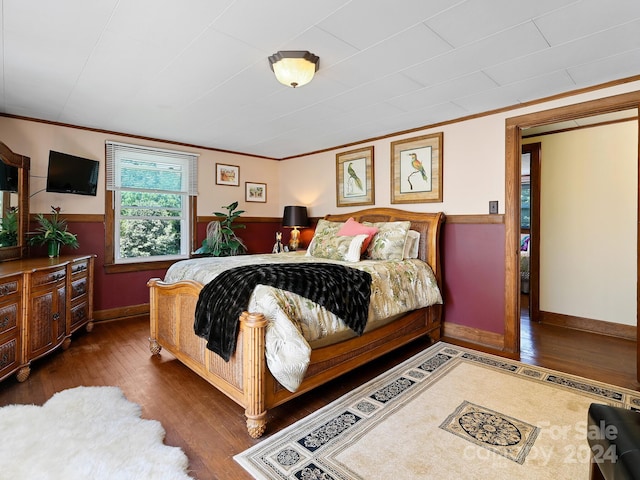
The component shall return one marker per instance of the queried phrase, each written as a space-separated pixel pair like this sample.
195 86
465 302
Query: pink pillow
351 228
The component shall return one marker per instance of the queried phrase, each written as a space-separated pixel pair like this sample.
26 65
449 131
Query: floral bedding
296 324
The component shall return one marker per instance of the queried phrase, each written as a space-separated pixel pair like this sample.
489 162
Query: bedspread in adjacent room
296 324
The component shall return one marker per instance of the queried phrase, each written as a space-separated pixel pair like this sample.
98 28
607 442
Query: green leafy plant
221 240
9 228
53 229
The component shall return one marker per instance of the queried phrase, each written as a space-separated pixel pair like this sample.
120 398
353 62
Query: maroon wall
118 290
259 237
473 265
114 290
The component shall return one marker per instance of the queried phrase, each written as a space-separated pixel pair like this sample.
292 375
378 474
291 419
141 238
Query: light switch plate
493 206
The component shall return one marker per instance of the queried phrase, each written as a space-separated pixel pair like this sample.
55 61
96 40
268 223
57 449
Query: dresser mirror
14 204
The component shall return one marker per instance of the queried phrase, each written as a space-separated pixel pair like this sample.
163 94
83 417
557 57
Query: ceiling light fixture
294 68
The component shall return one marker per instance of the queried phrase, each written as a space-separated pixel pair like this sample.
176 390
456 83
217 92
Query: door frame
534 229
513 153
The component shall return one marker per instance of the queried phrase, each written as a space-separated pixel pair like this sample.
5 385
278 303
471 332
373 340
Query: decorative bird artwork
353 177
417 164
417 168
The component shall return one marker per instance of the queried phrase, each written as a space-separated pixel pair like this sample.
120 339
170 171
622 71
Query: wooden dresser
42 302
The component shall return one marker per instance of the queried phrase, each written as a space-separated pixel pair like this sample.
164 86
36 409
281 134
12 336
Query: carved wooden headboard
427 224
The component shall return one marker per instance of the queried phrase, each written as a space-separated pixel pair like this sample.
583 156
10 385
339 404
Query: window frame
110 229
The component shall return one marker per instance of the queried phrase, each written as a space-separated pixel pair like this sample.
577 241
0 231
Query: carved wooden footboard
245 378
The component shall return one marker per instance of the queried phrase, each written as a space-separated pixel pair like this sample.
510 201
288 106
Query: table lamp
295 216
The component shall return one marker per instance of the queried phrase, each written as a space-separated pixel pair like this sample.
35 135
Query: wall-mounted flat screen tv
71 174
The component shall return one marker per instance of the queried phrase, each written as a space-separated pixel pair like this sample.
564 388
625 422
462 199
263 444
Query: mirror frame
23 163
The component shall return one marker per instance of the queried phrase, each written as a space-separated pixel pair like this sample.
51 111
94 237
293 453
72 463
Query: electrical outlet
493 206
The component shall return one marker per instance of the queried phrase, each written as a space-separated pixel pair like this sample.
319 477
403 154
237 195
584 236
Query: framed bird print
416 169
354 178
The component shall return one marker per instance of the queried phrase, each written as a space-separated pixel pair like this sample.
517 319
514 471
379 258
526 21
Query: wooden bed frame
245 378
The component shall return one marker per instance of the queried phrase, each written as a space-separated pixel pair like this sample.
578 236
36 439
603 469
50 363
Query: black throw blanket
342 290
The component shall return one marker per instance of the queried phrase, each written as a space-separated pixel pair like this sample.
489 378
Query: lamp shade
294 68
295 216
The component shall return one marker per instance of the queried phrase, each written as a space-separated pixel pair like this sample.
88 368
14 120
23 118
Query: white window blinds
134 167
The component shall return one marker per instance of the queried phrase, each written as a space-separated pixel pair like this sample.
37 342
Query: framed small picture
354 178
255 192
416 169
227 174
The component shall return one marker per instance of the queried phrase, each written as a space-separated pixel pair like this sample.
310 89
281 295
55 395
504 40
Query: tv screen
8 178
71 174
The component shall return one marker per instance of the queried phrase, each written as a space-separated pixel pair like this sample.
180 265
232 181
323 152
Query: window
150 214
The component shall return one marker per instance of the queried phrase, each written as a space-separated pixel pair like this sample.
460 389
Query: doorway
530 229
514 128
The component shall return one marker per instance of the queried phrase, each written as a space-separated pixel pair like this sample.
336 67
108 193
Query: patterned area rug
448 412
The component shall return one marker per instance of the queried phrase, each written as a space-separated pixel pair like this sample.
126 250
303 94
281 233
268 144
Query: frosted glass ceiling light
294 68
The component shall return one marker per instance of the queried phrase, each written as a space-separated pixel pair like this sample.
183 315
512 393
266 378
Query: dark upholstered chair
614 438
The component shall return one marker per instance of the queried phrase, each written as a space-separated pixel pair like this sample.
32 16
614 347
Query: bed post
154 346
253 326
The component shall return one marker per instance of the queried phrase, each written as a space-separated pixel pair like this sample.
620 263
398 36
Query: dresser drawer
9 359
78 288
79 315
8 288
79 267
48 277
8 317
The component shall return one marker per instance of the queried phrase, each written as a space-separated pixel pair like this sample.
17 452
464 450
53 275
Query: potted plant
9 228
53 232
221 240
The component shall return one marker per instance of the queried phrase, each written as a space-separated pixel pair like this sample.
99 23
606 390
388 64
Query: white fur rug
86 433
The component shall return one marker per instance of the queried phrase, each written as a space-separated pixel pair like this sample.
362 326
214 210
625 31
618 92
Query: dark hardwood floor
210 428
599 357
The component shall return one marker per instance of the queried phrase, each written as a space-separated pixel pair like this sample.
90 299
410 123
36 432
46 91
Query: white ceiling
196 71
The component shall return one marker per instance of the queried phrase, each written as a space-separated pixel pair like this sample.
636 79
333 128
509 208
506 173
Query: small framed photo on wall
227 174
255 192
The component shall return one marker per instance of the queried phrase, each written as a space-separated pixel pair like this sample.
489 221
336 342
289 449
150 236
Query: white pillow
412 244
355 248
343 248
